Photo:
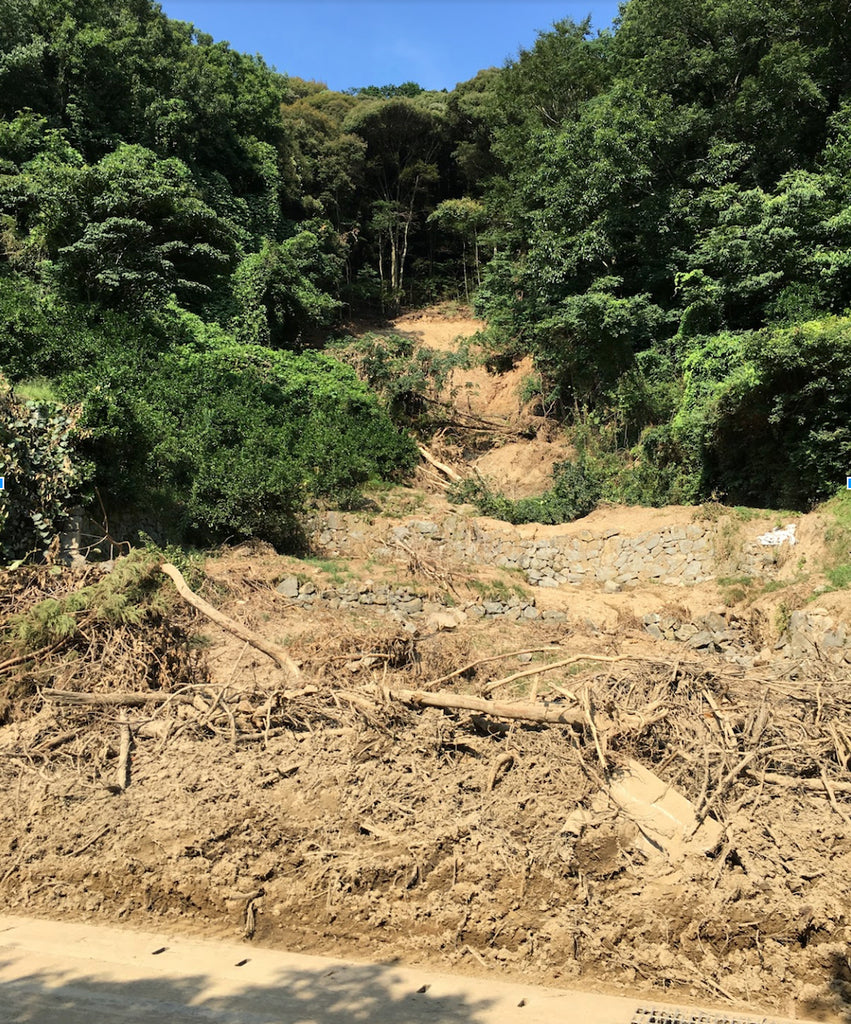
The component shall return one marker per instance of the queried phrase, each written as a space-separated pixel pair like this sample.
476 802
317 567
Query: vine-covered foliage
407 378
219 438
39 475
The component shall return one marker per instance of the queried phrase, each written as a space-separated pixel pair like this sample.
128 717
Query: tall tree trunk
405 230
394 261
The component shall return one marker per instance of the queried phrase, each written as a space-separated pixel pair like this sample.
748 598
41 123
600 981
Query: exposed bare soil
327 815
519 467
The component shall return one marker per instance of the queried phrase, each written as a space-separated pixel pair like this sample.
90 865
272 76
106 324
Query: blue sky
346 43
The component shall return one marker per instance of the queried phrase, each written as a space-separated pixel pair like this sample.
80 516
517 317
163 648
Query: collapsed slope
442 777
343 814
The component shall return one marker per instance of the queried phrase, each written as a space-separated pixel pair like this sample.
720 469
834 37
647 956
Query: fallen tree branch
101 832
55 741
277 654
30 655
446 470
540 669
130 700
701 813
121 700
486 661
814 785
474 418
828 785
548 714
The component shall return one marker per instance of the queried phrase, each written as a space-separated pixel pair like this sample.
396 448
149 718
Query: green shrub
41 479
782 436
230 439
574 494
405 377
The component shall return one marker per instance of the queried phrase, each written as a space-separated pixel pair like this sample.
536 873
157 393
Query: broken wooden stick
558 664
485 661
814 785
503 761
277 654
122 773
446 470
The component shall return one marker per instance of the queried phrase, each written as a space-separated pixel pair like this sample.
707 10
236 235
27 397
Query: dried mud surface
336 819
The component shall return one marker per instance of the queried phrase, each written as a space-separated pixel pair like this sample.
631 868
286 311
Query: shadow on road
340 994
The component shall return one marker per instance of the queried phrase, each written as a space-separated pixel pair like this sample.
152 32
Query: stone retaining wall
406 603
808 634
672 554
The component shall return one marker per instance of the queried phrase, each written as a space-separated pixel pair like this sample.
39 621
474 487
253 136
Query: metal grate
655 1016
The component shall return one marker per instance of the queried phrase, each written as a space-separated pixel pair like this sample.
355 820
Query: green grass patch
840 576
498 590
337 572
837 564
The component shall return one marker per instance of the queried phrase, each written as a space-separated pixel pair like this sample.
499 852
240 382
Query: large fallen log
546 713
276 653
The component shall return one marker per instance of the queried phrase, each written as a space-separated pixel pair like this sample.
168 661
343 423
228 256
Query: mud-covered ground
330 816
335 812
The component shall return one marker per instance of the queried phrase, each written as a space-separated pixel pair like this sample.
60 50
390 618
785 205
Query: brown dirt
335 819
344 822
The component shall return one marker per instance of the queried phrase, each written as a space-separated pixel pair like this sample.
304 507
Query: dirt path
77 974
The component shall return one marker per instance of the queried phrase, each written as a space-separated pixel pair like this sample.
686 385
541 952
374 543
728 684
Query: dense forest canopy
660 214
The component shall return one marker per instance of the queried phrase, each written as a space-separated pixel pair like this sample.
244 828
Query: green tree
463 218
141 232
402 141
279 289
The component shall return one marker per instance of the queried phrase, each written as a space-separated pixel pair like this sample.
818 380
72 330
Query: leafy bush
41 479
404 377
574 494
783 434
47 337
282 291
221 438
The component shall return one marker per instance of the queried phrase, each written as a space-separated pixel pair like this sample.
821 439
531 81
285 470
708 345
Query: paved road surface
54 973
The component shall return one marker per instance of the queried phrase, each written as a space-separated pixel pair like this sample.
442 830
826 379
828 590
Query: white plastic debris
775 538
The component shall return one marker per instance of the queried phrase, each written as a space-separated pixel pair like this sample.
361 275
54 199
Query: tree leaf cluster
668 215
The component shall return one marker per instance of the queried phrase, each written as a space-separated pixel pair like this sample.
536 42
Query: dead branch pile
94 632
719 738
485 788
